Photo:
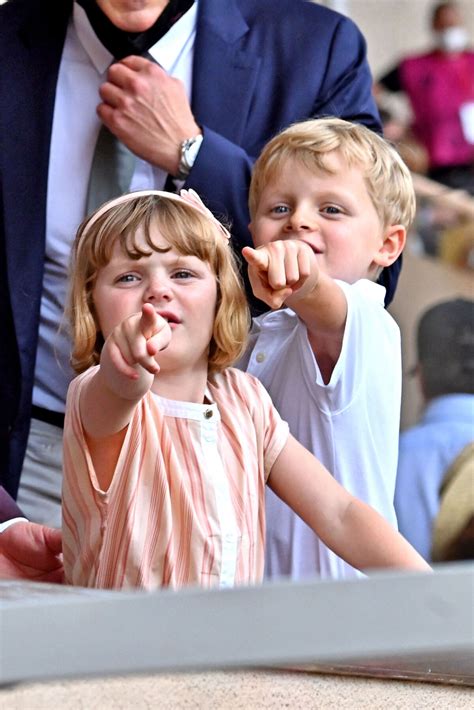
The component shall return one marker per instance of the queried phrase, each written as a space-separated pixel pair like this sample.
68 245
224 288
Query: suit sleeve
347 88
8 508
227 192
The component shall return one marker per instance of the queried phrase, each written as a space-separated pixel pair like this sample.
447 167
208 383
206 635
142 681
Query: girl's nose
158 289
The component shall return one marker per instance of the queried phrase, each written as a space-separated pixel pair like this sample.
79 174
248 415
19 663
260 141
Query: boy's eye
280 209
331 209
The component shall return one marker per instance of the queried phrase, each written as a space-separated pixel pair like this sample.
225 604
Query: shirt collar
165 52
168 49
95 50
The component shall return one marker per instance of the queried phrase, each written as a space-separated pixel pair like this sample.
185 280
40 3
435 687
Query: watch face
189 151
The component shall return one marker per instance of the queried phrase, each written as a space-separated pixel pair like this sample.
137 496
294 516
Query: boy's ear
392 246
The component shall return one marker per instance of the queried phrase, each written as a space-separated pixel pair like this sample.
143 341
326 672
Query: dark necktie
113 164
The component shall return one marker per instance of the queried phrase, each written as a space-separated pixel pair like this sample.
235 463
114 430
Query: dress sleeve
274 430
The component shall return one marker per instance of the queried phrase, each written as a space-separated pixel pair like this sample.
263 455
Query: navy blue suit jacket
258 66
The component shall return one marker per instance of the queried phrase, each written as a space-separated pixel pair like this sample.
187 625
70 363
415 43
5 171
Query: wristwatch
189 150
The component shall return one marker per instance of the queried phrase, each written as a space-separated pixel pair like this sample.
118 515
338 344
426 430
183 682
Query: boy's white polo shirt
351 424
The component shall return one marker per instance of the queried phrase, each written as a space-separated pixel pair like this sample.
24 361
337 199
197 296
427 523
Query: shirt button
260 357
208 413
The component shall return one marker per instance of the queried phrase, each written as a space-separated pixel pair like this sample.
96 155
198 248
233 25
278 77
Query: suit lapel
224 76
25 123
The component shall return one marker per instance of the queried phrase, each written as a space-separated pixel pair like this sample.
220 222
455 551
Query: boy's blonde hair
388 179
186 230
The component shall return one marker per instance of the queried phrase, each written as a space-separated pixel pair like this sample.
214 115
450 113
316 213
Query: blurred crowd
426 103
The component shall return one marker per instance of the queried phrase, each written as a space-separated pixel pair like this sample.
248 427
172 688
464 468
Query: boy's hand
137 340
280 268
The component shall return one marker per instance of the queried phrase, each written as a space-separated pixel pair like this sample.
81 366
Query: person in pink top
167 449
440 87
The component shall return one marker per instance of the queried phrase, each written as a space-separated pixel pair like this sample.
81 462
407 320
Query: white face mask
452 39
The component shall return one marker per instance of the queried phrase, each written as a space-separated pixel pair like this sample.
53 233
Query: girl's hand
137 340
279 269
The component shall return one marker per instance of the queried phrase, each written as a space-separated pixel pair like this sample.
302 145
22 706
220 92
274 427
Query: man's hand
147 110
279 269
33 552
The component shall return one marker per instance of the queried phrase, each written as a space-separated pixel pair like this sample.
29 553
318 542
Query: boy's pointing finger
256 257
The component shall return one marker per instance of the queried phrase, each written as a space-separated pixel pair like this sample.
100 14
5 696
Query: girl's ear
392 246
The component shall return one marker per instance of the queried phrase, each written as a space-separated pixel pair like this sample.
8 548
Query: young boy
330 204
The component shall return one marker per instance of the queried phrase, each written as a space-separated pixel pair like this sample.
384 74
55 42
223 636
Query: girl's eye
127 278
182 274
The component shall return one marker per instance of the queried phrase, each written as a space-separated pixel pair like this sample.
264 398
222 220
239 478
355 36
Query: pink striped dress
186 505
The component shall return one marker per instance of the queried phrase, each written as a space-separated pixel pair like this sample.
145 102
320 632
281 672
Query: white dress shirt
83 69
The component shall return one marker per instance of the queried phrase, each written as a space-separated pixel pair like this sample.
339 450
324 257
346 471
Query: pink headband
188 197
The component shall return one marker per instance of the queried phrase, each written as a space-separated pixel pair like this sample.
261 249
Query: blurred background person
396 129
445 368
440 87
453 528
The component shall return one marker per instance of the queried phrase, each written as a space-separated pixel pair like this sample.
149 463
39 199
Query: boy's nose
301 220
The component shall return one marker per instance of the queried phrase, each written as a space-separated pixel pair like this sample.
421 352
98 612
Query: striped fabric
186 505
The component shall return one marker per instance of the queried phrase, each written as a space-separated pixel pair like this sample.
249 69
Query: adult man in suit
246 68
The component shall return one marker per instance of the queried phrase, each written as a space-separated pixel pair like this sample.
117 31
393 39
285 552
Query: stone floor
236 691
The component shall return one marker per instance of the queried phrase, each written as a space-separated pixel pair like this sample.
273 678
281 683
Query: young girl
167 449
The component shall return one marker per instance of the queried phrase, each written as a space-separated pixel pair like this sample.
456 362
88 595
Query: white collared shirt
83 69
